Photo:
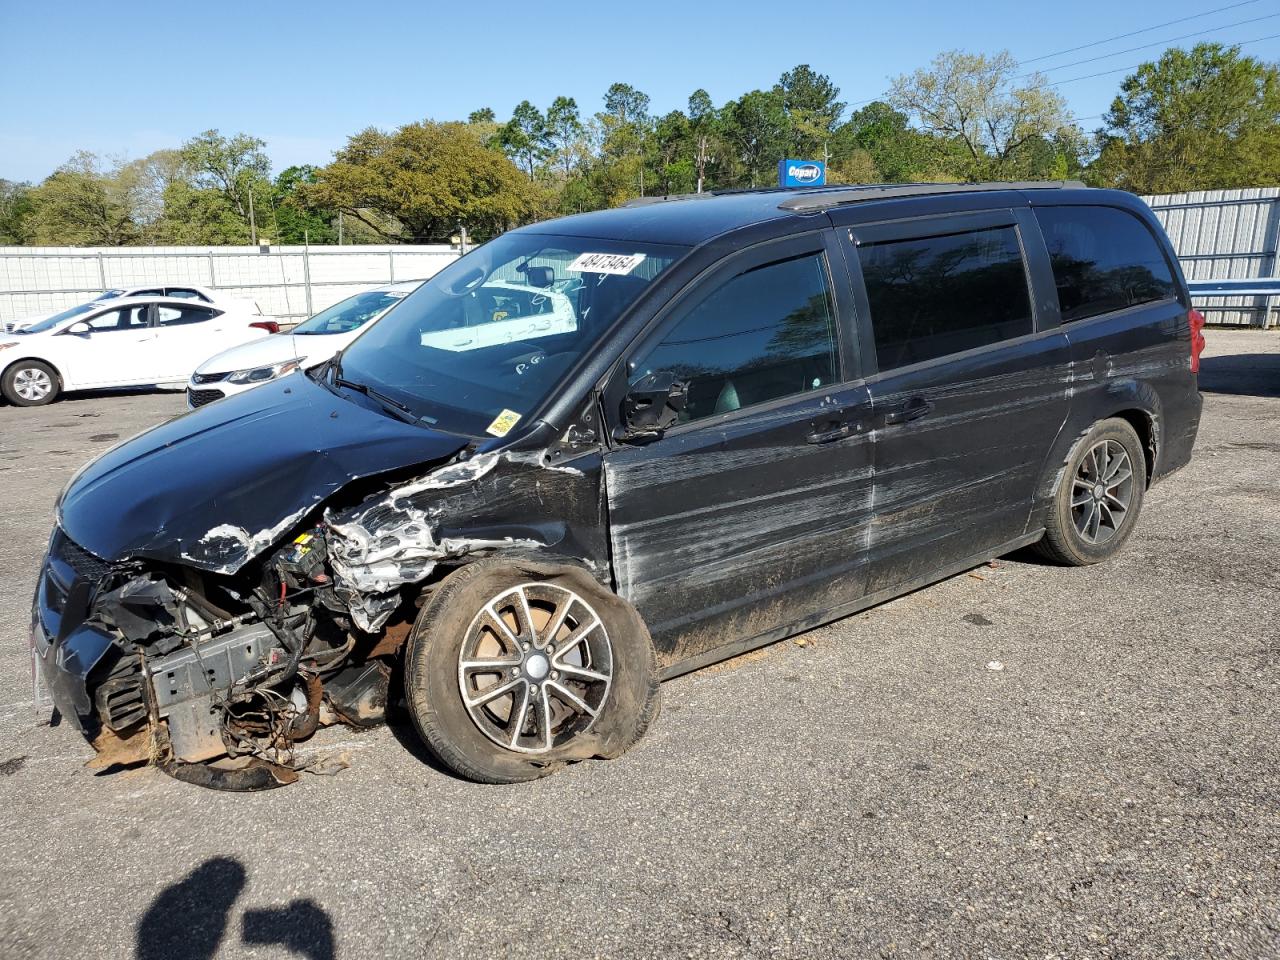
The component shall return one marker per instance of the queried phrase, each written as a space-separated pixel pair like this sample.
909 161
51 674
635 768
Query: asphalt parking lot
873 788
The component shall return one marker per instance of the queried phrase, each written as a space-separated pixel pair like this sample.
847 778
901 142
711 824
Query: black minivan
607 449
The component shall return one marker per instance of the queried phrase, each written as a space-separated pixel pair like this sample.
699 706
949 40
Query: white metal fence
1218 234
1226 235
287 282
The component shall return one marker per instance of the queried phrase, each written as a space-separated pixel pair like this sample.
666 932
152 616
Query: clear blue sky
127 78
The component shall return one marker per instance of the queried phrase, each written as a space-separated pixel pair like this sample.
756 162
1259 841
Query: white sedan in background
121 342
309 344
178 291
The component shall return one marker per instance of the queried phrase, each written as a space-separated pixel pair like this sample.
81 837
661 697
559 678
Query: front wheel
1098 498
29 383
513 671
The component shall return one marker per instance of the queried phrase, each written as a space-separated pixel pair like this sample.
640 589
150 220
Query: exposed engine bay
209 667
222 651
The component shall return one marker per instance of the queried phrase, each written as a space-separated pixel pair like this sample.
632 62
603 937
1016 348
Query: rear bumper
1181 426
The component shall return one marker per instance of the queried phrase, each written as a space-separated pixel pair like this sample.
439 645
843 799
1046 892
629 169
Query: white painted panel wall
290 283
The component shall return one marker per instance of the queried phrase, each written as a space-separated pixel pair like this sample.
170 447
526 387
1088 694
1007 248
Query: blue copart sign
801 173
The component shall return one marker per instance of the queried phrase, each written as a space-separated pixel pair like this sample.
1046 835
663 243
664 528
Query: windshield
483 342
351 313
48 323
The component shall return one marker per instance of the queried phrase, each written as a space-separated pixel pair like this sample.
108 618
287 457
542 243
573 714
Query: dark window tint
940 295
186 293
180 316
1103 259
765 334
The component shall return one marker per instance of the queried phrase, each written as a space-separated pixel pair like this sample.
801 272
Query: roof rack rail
664 198
728 192
809 201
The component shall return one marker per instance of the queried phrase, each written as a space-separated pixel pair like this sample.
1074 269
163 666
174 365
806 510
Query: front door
751 514
116 349
971 390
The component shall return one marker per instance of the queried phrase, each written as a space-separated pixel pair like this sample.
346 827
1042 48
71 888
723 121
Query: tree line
1204 118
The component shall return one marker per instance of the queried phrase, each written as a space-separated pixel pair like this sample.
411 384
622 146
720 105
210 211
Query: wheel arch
62 381
1130 400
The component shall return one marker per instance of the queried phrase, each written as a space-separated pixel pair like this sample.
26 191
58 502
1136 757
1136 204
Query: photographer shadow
188 919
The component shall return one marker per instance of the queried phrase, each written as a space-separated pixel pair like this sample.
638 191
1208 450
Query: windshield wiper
390 404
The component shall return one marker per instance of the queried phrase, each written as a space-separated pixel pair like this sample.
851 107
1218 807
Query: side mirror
80 328
653 405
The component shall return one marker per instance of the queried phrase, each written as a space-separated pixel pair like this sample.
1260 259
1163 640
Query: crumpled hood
219 485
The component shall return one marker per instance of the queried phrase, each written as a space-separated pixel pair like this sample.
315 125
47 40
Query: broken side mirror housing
652 406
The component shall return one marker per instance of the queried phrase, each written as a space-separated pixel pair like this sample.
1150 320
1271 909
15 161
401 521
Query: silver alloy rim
1102 491
535 667
32 383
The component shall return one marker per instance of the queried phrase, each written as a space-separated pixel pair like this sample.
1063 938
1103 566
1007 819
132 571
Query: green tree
1201 119
525 137
671 154
898 151
237 167
813 107
484 125
705 130
626 104
17 209
420 182
757 127
566 135
84 204
295 221
981 104
195 216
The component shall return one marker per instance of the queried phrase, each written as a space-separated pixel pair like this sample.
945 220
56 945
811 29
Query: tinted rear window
1103 259
940 295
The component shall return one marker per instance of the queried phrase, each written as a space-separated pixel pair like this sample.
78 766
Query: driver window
766 334
126 318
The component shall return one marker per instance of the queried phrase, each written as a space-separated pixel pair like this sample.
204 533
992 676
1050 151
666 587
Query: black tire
434 679
1064 542
30 371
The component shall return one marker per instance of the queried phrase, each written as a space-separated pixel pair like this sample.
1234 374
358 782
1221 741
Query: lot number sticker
616 263
503 423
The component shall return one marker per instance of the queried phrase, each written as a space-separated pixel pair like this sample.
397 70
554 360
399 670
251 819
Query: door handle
913 409
834 430
832 435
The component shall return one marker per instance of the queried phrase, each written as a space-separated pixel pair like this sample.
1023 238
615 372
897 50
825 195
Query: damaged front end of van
219 588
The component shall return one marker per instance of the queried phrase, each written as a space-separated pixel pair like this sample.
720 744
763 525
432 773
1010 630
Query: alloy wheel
1102 491
535 667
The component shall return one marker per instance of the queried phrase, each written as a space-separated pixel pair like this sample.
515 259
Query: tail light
1196 319
272 327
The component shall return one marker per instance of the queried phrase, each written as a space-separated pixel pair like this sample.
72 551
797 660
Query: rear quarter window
1103 259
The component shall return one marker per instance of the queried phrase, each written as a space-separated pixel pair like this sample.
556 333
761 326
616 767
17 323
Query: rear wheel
1099 497
510 673
30 383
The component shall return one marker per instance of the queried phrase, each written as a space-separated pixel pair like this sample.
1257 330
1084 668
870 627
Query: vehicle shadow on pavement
188 919
1242 374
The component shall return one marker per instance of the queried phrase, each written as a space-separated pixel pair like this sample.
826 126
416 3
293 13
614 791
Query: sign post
801 173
